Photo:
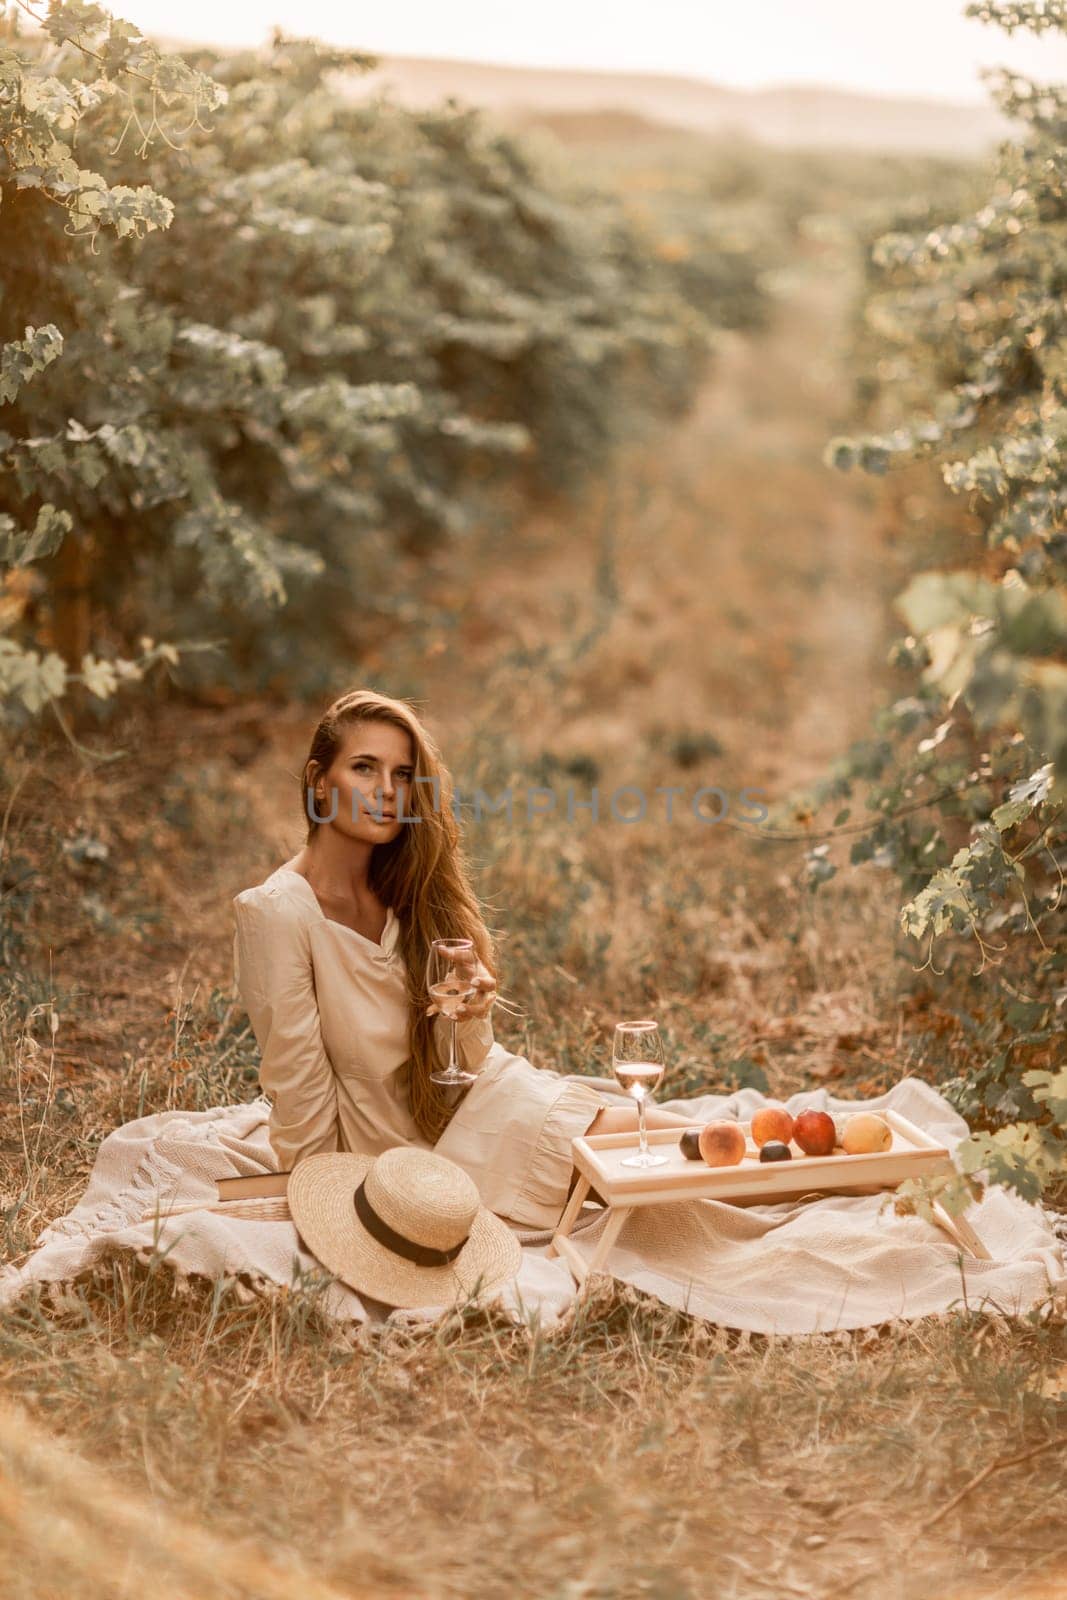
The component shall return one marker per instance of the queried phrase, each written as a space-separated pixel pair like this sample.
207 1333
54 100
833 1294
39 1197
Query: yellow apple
866 1134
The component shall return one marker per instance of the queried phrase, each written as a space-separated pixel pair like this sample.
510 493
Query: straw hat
406 1227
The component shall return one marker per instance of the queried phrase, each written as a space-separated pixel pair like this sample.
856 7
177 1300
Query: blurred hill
581 104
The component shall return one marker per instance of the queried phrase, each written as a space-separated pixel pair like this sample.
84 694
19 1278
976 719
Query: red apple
772 1122
815 1133
722 1144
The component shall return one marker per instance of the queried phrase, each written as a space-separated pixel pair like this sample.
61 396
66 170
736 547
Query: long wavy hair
423 874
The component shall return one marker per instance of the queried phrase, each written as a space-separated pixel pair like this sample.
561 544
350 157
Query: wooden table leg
581 1268
961 1231
570 1215
574 1259
615 1221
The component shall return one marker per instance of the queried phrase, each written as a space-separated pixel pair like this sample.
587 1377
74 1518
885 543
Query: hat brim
321 1192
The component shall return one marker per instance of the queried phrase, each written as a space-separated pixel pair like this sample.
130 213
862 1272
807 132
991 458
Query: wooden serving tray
598 1158
912 1154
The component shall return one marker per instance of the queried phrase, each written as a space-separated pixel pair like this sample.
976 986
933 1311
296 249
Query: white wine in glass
637 1061
450 972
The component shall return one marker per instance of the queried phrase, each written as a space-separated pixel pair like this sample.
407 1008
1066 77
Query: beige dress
329 1010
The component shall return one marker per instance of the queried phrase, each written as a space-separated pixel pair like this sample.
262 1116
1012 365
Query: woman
330 958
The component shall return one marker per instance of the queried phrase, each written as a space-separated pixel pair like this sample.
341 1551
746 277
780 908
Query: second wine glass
450 972
637 1061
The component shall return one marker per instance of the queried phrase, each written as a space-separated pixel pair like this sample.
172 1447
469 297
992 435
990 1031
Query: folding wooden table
598 1159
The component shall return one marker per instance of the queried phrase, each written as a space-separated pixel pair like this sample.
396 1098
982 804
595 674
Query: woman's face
371 772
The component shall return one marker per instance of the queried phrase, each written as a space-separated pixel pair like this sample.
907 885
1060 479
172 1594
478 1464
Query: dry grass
673 632
633 1452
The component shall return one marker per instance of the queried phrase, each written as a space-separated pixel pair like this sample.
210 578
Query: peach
815 1133
722 1144
772 1122
866 1134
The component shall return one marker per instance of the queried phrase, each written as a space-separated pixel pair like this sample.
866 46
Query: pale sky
920 47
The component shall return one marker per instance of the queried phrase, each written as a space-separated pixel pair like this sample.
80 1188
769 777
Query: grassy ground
716 614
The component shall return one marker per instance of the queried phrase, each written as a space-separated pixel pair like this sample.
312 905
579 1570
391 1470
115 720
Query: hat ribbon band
423 1255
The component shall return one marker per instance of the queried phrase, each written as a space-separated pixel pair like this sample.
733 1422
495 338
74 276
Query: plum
722 1144
691 1144
815 1133
775 1150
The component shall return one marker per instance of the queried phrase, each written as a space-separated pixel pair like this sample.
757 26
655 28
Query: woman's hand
480 1002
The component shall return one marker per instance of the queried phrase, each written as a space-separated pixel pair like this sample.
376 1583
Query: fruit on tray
865 1134
815 1133
772 1122
691 1144
722 1144
775 1150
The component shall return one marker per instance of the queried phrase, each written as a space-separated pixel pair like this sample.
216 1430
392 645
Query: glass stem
642 1146
453 1064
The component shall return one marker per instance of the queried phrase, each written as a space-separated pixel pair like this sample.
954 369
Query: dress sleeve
474 1040
275 979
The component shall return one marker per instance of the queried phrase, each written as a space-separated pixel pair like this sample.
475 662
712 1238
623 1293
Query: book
260 1184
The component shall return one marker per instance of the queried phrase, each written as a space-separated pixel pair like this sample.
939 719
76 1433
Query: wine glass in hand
637 1061
450 972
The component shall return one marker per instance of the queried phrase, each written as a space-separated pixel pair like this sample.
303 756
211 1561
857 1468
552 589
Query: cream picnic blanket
790 1268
